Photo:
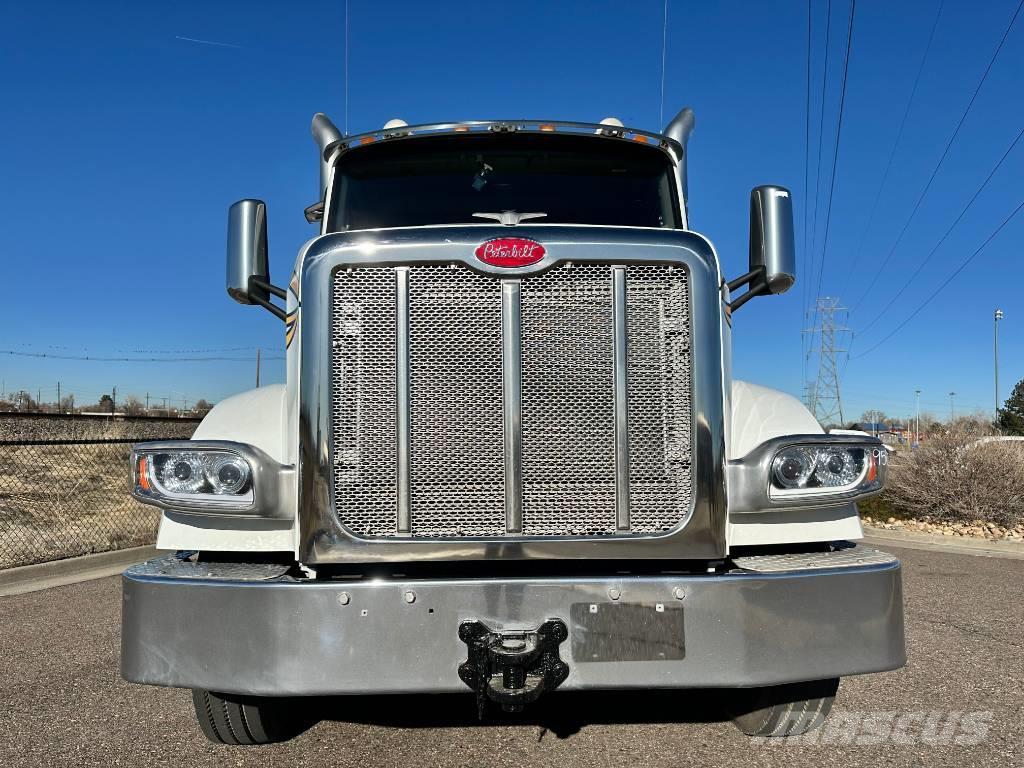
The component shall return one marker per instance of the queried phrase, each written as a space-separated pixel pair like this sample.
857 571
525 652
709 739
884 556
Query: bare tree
133 406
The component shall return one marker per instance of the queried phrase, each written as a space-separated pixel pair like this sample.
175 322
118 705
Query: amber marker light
872 474
143 473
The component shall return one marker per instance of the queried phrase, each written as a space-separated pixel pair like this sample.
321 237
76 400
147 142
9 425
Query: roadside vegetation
958 482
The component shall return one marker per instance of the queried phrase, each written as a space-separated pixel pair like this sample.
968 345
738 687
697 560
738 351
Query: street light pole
952 409
995 350
917 431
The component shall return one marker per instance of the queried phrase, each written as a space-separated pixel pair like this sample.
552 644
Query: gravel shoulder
64 702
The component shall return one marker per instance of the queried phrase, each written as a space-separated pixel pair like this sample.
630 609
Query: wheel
784 710
229 719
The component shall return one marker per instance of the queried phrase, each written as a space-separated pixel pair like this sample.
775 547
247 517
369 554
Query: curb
960 545
31 578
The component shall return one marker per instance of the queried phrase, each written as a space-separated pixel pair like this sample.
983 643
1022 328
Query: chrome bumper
240 628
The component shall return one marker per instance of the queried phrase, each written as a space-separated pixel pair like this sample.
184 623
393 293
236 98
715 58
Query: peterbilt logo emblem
510 252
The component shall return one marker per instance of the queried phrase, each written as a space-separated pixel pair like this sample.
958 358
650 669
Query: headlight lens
813 470
207 475
793 466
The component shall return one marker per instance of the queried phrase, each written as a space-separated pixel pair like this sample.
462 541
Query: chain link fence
64 498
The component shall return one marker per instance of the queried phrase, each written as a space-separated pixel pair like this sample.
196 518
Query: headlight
818 470
193 477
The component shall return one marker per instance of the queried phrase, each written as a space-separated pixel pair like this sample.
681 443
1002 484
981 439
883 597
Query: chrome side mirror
248 277
772 267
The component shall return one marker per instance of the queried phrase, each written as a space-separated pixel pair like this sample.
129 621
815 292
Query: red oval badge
510 252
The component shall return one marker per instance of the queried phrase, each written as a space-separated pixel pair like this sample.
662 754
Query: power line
664 49
899 134
821 126
102 359
346 67
948 280
952 226
807 171
839 133
942 159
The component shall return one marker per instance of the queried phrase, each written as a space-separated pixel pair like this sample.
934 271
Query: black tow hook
512 668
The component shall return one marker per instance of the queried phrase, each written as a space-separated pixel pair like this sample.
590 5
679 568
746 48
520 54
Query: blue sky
123 143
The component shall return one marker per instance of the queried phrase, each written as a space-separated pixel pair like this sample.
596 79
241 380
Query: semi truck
509 458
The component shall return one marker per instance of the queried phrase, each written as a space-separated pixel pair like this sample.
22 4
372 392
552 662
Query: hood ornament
510 218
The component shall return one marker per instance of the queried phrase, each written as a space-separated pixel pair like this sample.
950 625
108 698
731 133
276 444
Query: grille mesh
658 329
457 472
568 401
363 393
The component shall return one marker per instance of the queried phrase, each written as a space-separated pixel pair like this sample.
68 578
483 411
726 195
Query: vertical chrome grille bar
403 424
621 399
512 402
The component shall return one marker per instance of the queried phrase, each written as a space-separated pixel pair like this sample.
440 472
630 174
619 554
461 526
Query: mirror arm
756 289
259 282
757 286
274 309
744 279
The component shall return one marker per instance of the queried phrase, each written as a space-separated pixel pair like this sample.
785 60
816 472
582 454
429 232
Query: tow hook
512 668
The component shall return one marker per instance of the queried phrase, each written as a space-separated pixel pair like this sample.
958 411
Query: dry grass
952 478
60 501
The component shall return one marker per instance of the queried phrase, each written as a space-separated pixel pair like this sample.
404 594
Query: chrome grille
422 414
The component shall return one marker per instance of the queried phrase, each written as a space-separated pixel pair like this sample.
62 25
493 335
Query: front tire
784 710
243 720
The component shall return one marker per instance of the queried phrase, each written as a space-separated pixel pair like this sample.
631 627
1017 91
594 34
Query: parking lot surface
62 701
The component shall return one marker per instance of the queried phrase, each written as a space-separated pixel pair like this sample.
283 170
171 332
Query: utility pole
952 408
917 431
39 400
113 401
147 403
257 367
827 398
995 350
166 411
60 410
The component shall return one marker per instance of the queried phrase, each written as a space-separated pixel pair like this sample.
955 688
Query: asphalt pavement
62 701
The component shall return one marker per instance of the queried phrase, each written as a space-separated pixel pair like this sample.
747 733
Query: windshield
446 180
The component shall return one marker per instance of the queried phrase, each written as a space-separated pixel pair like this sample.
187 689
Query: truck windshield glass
445 180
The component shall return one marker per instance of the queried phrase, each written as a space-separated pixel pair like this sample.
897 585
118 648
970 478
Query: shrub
958 477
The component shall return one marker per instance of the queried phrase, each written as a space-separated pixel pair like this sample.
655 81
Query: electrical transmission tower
824 397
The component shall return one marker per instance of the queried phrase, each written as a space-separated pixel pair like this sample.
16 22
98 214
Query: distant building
891 434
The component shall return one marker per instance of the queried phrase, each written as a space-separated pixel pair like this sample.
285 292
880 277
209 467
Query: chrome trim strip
619 346
700 535
403 409
512 402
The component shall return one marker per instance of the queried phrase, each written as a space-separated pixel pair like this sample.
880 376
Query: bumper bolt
614 593
678 593
409 597
344 598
